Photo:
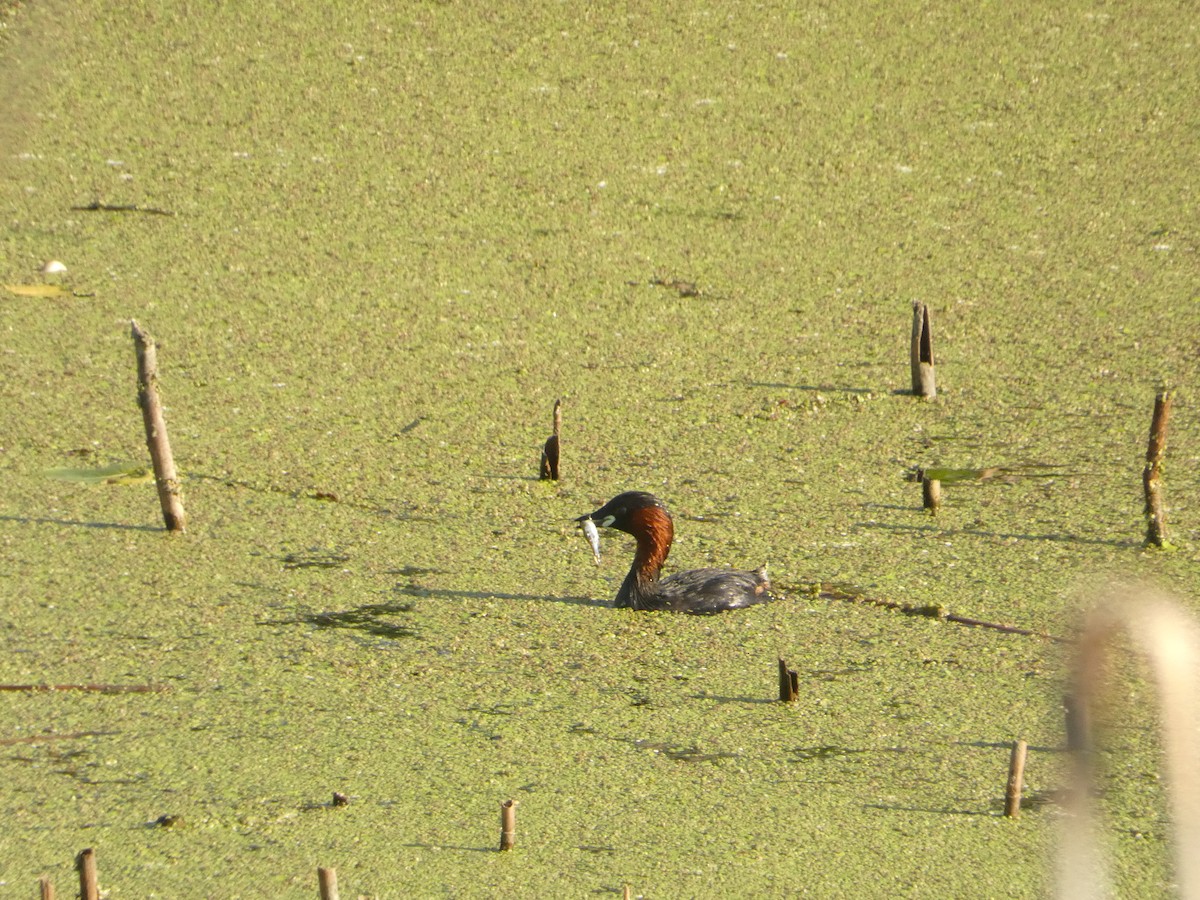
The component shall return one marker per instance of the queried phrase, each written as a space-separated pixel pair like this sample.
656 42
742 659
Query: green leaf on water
117 473
950 476
35 290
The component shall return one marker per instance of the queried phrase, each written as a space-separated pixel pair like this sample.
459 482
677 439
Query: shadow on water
34 520
315 558
831 751
1006 746
827 388
373 619
936 810
715 698
416 590
419 846
999 535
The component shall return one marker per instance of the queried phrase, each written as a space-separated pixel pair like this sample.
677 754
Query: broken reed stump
327 881
1016 776
170 496
508 824
46 887
789 683
549 469
931 493
1156 522
89 884
921 353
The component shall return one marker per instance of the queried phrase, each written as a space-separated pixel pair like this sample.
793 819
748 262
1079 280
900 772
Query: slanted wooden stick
1016 775
89 883
1156 521
550 452
170 496
327 881
789 683
47 887
921 353
508 824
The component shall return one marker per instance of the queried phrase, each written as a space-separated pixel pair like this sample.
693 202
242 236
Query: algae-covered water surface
377 241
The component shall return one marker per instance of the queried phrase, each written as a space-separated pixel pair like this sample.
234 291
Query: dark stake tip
789 683
340 799
89 882
508 824
1016 777
549 467
1152 483
921 353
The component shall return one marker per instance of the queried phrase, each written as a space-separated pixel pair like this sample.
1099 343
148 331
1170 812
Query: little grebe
699 591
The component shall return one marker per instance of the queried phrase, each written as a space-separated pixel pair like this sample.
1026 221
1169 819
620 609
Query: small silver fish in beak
592 533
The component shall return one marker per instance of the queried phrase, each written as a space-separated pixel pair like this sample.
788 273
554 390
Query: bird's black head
616 512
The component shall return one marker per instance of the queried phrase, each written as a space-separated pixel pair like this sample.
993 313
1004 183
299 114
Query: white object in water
53 267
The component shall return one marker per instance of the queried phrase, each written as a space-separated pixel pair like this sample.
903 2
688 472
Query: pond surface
387 239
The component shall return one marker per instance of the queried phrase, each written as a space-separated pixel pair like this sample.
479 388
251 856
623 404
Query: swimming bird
699 591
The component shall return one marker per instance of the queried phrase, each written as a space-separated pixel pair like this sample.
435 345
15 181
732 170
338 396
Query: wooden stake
921 353
508 824
1156 521
1016 775
327 881
627 894
89 884
170 496
47 887
931 493
789 683
549 469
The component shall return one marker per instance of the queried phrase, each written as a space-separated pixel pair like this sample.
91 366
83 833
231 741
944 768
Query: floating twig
789 683
327 880
831 591
90 688
97 206
549 467
89 883
508 824
1016 776
921 352
41 738
683 288
170 495
1156 520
